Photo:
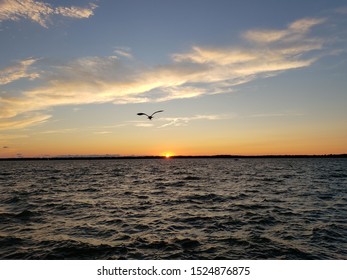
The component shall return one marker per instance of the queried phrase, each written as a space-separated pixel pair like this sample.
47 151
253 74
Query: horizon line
81 157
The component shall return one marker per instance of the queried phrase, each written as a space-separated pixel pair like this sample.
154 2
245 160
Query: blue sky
233 77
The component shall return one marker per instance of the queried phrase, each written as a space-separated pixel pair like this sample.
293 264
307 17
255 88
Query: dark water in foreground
174 209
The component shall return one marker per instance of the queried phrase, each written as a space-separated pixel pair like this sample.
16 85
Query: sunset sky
241 77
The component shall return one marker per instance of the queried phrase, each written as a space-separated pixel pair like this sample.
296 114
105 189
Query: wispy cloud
183 121
272 51
7 124
219 56
142 124
39 11
60 131
102 132
295 31
124 52
18 71
199 71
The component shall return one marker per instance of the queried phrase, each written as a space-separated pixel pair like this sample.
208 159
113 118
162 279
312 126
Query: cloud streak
183 121
123 52
12 124
199 71
294 32
40 12
18 71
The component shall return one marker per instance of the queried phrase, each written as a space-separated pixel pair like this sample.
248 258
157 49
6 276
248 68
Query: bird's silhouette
150 117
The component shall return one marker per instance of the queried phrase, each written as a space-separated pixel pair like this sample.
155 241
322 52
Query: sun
168 155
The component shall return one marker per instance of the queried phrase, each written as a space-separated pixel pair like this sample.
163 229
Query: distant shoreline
172 157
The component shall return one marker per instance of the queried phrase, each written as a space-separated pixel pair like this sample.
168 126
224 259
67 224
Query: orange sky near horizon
182 141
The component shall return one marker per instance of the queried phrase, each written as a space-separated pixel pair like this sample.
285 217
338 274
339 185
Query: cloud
183 121
140 124
199 71
40 12
218 56
271 51
124 52
75 12
296 30
18 71
59 131
35 119
102 132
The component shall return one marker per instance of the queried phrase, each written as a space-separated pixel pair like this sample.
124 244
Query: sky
233 77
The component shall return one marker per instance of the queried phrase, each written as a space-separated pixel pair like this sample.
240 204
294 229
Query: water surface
251 208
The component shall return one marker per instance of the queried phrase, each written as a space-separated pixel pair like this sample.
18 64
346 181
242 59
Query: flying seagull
150 117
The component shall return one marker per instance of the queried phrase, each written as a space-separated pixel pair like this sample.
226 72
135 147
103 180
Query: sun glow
168 155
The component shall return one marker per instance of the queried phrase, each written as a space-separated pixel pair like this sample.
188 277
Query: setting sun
168 155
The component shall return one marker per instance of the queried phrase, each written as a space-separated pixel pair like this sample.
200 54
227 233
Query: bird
150 117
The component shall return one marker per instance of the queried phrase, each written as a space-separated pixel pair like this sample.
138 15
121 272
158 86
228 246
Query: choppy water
285 208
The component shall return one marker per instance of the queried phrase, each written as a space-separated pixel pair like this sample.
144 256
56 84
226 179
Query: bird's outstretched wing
157 112
142 114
